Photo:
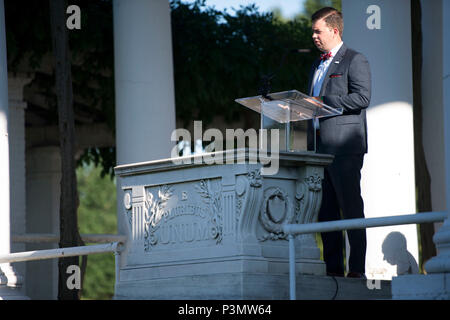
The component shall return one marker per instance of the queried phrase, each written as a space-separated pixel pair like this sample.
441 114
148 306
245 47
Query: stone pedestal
216 226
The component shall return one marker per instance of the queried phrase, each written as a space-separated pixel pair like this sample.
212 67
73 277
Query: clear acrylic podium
284 110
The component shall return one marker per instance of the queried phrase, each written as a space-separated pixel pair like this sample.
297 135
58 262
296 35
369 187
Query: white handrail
60 252
348 224
54 238
114 247
363 223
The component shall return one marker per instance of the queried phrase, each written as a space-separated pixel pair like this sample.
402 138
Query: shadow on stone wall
396 253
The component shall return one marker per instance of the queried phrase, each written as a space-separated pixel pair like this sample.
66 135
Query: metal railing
110 243
295 229
54 238
291 229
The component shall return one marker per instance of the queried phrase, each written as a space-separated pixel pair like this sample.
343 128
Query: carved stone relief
276 210
169 220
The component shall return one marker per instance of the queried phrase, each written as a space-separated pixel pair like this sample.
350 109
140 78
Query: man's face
324 37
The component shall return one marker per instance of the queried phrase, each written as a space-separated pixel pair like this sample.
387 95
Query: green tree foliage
29 42
218 57
97 215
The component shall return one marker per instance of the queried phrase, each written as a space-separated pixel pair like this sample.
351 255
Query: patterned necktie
325 56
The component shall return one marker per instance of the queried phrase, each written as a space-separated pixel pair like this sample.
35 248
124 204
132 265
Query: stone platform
253 286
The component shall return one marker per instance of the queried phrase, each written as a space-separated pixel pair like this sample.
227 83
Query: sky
289 8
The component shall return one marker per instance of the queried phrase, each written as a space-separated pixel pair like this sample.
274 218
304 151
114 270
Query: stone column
145 102
432 100
440 265
10 281
144 85
381 30
16 121
4 147
43 192
435 285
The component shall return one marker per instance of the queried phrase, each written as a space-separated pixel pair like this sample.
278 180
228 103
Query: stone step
339 288
251 286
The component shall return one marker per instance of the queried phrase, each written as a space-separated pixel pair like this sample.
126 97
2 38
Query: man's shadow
396 253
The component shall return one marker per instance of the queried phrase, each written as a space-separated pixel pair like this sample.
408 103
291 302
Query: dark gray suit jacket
347 84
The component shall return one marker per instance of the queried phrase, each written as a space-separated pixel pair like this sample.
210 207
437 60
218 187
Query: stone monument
198 231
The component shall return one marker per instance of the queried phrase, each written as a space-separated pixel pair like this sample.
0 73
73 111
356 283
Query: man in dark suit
341 78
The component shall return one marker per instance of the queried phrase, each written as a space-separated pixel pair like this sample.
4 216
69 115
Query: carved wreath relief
276 210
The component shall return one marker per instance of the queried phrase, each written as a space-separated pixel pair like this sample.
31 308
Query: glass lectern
283 111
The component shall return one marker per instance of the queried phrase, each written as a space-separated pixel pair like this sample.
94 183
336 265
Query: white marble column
145 102
381 30
144 84
436 26
432 100
16 123
10 281
441 263
4 147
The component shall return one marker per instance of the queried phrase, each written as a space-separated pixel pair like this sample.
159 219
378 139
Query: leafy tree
97 215
91 61
218 57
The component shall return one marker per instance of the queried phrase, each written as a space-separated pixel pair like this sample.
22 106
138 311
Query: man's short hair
332 17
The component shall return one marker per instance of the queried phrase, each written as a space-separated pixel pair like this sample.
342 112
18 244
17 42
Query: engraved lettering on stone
185 223
184 195
184 232
170 231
